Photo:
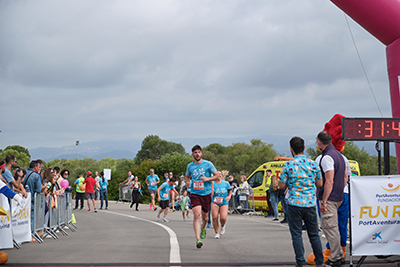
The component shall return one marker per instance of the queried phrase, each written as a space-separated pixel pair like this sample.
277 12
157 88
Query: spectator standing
184 204
11 162
151 181
90 183
64 174
234 185
103 182
330 195
273 193
33 183
244 190
267 185
80 191
97 191
200 173
136 189
301 175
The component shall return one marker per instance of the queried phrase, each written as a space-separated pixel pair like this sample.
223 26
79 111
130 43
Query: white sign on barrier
375 215
107 174
21 220
6 240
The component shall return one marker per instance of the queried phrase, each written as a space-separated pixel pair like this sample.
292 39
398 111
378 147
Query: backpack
274 183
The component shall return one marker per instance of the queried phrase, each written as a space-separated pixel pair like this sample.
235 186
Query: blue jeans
97 193
32 217
284 206
274 202
296 216
103 195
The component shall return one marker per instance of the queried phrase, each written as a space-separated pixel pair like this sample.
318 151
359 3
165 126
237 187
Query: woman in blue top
103 190
222 193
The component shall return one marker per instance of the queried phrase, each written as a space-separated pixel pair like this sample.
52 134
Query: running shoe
89 210
203 233
165 220
158 217
208 225
199 244
216 236
155 208
95 210
151 206
222 230
275 220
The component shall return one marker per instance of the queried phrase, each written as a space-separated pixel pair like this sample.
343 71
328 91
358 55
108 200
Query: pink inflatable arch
381 18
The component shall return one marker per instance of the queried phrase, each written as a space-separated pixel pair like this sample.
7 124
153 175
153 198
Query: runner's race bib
153 183
198 185
165 195
218 200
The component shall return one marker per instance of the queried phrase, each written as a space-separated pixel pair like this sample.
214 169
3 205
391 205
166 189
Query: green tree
23 159
153 147
20 149
174 162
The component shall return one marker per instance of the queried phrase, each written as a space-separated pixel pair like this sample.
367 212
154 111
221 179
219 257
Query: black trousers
135 198
79 196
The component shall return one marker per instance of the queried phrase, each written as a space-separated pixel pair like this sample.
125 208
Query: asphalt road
123 236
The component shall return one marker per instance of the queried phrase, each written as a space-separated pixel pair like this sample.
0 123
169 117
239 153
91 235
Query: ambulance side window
256 179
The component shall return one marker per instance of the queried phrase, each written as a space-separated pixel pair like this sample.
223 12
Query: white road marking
174 255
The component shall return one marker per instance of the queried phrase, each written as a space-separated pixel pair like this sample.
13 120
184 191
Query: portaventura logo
391 188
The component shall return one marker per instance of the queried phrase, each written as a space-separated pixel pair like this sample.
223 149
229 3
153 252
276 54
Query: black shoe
337 263
284 221
130 206
343 261
137 209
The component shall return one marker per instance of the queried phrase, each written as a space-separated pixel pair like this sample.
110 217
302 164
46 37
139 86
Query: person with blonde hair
244 190
221 194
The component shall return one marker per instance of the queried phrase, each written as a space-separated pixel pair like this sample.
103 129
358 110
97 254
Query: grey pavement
122 236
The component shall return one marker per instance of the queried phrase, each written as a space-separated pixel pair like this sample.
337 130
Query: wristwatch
323 202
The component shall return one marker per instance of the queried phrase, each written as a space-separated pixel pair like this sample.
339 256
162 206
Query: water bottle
27 188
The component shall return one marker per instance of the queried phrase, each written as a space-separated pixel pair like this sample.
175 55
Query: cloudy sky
120 70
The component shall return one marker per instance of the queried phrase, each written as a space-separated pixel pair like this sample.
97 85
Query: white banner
6 240
21 220
375 215
107 174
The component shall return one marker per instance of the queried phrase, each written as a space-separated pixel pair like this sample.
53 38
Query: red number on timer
396 128
368 128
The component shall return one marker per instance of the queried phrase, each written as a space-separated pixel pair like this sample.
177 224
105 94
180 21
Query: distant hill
129 148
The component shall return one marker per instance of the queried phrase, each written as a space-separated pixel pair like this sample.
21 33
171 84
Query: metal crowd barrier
243 202
125 193
59 215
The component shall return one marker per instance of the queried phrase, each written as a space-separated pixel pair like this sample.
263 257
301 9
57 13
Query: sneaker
275 220
137 209
95 210
239 207
199 244
165 220
216 236
151 206
106 208
100 208
208 225
245 214
284 221
89 210
155 208
158 217
268 216
337 263
173 210
203 233
222 230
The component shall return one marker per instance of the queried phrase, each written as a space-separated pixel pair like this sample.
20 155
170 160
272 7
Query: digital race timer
371 129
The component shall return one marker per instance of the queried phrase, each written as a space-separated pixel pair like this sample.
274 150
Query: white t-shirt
327 164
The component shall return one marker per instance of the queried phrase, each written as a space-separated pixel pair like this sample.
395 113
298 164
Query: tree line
165 156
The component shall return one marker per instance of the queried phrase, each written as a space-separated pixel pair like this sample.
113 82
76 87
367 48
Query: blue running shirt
221 192
164 191
153 181
197 186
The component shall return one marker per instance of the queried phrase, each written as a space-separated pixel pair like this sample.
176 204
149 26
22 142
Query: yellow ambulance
258 179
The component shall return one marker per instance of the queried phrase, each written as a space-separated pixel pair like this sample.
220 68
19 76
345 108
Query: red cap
89 173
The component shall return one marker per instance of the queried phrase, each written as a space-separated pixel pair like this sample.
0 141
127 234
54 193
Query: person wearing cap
89 190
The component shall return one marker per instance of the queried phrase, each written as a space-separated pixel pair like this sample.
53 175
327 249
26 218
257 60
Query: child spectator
184 204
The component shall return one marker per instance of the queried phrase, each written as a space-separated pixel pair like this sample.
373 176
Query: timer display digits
371 129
